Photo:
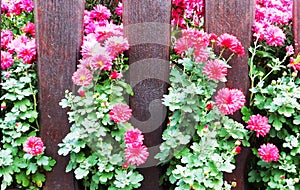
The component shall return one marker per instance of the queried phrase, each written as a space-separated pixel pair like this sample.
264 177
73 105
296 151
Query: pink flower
27 5
294 63
133 136
259 124
289 50
116 45
119 9
100 12
34 146
274 36
268 152
16 44
82 77
230 42
209 106
81 93
101 59
120 113
215 69
115 75
27 52
6 37
6 60
237 149
136 154
102 33
229 100
29 28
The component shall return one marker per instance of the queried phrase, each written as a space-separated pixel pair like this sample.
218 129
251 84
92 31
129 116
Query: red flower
120 113
34 146
209 106
230 42
268 152
115 75
237 149
259 124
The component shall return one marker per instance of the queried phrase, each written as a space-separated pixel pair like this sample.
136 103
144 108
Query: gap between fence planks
234 17
59 33
296 25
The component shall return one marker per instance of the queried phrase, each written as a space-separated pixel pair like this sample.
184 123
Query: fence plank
147 27
296 25
59 33
234 17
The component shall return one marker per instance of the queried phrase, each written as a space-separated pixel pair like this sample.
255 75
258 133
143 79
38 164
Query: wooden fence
59 32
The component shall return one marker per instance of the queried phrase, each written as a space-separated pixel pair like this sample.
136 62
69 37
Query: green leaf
81 173
23 179
43 160
32 168
38 179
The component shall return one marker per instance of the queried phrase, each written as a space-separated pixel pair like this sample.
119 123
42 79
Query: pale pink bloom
29 28
27 5
115 75
88 45
6 37
87 18
133 136
136 154
259 124
16 44
231 42
215 69
120 113
116 45
229 100
101 59
102 33
119 9
6 60
100 12
274 36
27 52
201 54
289 50
82 77
268 152
34 146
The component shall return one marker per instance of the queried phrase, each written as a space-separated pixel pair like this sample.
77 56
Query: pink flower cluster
187 9
16 7
229 100
135 153
259 124
268 152
120 113
34 146
231 42
102 43
215 69
269 15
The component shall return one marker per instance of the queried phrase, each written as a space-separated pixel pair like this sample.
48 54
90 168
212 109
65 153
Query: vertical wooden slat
296 25
147 27
234 17
59 33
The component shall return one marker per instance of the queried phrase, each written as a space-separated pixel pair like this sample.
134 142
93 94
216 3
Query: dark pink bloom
289 50
115 75
27 5
215 69
81 93
119 9
6 37
100 12
209 106
294 63
120 113
133 136
229 100
259 124
237 149
34 146
6 60
29 28
82 77
274 36
231 42
136 154
268 152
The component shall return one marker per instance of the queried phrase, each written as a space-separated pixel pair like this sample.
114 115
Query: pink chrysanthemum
229 100
133 136
100 12
34 146
6 60
116 45
259 124
215 69
115 75
82 77
27 5
119 9
294 63
6 37
289 50
231 42
274 36
101 59
268 152
102 33
136 154
120 113
29 28
27 52
17 43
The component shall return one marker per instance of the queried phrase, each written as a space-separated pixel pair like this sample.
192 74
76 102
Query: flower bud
205 129
209 106
233 184
125 165
284 73
238 142
81 93
294 74
205 172
296 180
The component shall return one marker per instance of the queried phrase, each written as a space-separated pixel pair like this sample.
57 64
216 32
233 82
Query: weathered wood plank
147 27
296 25
234 17
59 33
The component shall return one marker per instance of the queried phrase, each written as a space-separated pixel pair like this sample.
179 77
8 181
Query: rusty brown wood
234 17
296 25
147 27
59 33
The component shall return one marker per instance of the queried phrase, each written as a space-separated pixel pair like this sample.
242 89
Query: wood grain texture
147 27
234 17
59 33
296 25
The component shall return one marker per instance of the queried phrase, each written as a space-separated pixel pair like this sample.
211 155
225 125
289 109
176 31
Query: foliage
19 116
